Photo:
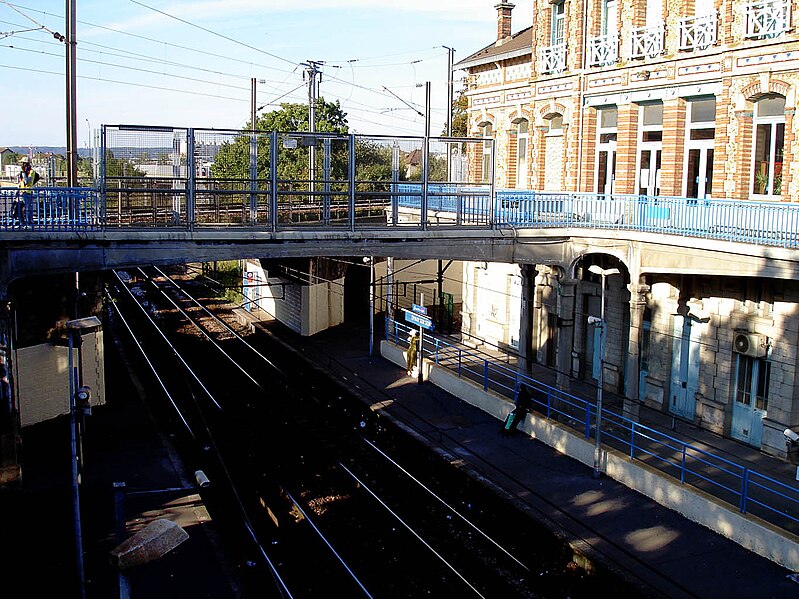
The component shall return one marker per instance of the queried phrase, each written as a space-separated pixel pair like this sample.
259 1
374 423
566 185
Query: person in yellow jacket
413 352
21 209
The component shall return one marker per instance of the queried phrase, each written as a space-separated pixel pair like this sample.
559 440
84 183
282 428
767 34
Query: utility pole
72 118
450 52
450 98
252 104
427 109
311 71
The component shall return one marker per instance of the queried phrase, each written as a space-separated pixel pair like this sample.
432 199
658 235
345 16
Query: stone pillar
637 307
566 293
526 353
587 147
721 162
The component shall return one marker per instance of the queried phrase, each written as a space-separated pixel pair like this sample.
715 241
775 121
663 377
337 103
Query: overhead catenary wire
353 112
225 37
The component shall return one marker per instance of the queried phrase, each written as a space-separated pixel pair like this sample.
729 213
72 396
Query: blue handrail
755 222
733 483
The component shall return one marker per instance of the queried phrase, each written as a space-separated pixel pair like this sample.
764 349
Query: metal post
371 304
119 533
72 118
598 434
603 273
74 329
74 460
420 351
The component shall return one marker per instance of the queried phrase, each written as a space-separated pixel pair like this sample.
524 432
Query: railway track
317 491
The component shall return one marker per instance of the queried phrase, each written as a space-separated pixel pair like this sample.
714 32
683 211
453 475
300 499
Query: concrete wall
41 374
322 306
746 530
305 309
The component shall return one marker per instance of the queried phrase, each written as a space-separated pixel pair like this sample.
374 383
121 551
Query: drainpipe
582 95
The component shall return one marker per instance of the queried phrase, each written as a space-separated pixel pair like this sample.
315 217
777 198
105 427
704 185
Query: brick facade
737 70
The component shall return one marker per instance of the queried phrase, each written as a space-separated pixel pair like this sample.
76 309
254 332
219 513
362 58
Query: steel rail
219 320
444 503
282 586
204 332
234 488
381 501
410 529
172 347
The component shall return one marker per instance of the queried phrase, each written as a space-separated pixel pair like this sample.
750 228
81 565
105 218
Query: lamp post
600 322
370 260
75 328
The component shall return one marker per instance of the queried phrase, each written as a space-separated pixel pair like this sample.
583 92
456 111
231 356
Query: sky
191 63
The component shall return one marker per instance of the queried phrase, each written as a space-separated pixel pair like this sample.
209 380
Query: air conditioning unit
750 344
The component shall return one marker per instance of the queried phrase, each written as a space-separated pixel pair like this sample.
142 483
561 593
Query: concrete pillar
526 320
566 294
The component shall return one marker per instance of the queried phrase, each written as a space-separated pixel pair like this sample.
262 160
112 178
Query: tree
373 166
233 159
460 117
120 167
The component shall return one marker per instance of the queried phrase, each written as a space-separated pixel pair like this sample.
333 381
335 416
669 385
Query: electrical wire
225 37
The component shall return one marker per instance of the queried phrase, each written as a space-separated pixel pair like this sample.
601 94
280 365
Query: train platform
601 518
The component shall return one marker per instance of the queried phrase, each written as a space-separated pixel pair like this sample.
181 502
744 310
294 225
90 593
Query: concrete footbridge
169 195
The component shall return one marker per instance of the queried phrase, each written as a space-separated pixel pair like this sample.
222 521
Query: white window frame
522 139
696 144
487 131
608 146
774 121
651 146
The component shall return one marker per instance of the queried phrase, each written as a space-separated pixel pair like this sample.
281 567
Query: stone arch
756 90
620 256
519 114
551 109
481 120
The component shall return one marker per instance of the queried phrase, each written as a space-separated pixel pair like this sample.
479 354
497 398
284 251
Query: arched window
487 130
522 127
553 154
769 138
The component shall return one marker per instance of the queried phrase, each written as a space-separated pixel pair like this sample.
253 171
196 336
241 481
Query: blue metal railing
49 209
738 485
761 223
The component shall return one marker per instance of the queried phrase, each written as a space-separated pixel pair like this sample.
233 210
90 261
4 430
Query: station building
658 98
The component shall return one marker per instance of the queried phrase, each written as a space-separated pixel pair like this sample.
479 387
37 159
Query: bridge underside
642 253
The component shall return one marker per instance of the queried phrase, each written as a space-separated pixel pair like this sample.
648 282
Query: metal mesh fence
162 177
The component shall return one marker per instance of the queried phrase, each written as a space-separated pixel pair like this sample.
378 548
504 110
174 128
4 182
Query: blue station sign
419 320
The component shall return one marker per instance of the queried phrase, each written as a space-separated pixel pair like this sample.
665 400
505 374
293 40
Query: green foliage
373 161
460 118
120 167
233 159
